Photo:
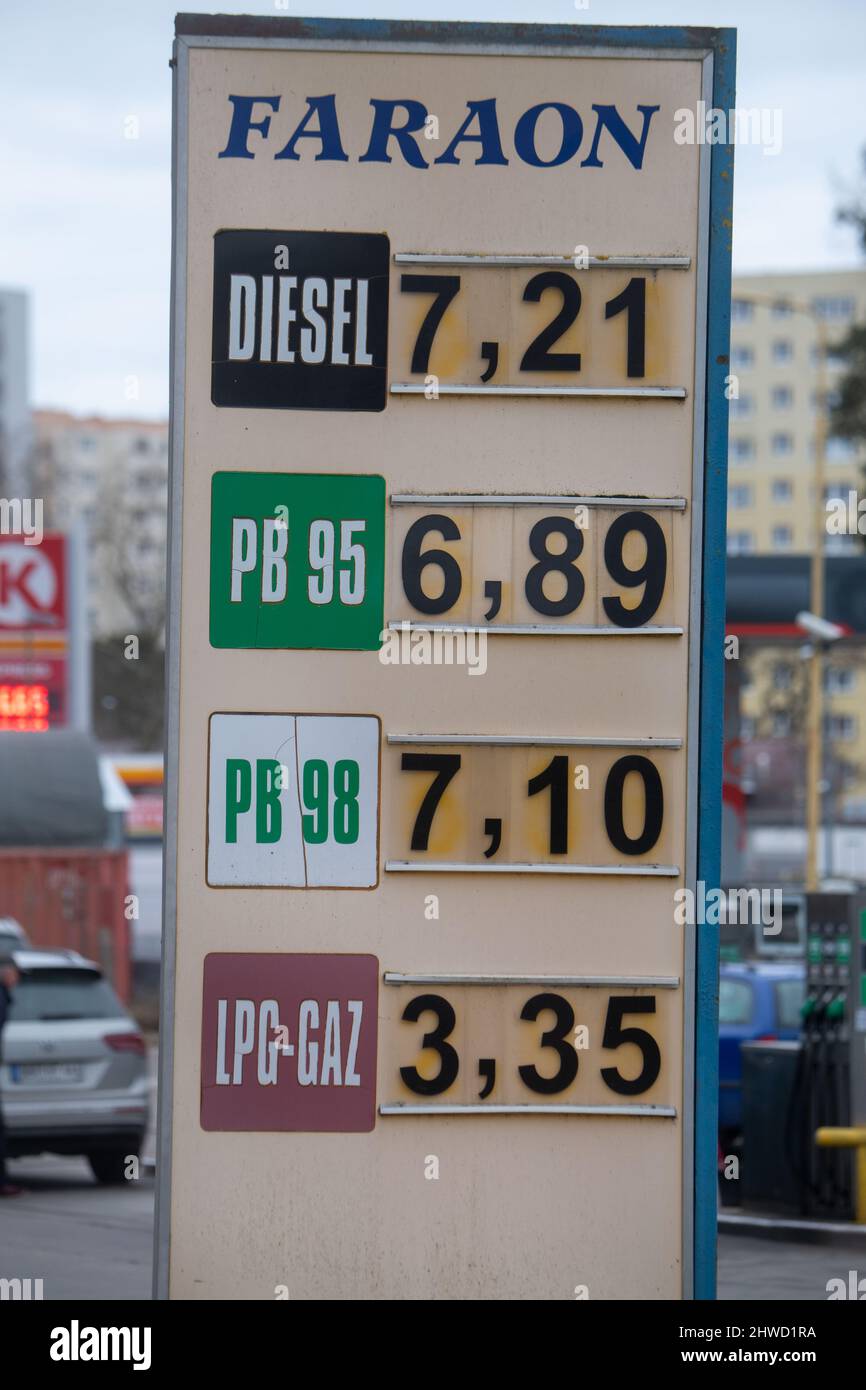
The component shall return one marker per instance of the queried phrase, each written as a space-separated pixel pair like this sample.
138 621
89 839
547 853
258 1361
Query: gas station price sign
450 344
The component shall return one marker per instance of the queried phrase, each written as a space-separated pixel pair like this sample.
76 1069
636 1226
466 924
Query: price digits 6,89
543 561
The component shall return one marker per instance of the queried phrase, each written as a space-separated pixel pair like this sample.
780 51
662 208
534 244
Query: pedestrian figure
9 978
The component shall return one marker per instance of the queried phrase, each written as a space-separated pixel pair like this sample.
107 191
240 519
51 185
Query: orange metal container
74 899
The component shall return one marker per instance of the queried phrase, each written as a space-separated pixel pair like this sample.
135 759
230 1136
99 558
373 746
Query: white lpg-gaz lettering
315 1069
322 1057
246 1025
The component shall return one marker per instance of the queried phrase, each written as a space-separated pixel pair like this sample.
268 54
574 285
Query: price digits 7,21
539 355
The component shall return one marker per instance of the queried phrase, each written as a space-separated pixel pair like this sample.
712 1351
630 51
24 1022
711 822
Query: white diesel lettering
315 322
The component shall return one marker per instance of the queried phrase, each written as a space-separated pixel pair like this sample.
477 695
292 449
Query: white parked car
12 936
73 1078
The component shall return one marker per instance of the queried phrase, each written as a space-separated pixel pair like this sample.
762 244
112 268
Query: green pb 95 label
297 560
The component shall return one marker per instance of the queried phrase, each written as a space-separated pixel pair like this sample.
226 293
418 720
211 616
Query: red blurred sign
289 1042
33 584
143 820
34 639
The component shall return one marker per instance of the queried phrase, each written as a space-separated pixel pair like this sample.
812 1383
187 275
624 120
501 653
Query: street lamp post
815 745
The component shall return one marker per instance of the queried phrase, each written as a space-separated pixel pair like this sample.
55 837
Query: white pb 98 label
293 801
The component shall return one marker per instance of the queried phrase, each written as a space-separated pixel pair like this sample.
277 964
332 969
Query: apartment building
15 438
775 361
776 364
111 478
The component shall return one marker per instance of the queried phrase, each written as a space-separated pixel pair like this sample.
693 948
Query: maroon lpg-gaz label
289 1042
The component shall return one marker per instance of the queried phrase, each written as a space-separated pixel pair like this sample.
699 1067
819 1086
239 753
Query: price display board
445 655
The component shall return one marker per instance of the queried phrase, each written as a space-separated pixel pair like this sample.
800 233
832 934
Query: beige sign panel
508 816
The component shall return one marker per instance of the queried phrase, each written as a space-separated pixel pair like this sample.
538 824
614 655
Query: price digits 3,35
556 1039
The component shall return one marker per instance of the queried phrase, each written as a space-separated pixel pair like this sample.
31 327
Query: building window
840 727
747 727
837 492
742 356
782 309
782 490
782 444
840 450
782 397
740 542
841 545
782 537
781 723
783 350
741 406
740 495
782 676
833 308
741 311
839 680
741 449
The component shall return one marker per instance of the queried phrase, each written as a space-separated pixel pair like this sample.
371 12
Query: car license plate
46 1074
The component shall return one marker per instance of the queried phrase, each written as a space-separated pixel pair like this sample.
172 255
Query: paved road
82 1240
774 1269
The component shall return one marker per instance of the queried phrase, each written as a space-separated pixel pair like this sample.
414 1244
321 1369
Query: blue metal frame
713 672
722 44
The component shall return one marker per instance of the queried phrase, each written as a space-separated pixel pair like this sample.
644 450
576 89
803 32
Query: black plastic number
556 1038
443 288
538 357
550 563
615 1036
633 301
654 804
449 1061
414 561
445 766
555 776
652 573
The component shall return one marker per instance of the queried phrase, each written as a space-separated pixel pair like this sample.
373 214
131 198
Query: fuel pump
821 1095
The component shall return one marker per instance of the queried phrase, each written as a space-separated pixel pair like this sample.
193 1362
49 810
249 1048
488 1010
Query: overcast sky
85 220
